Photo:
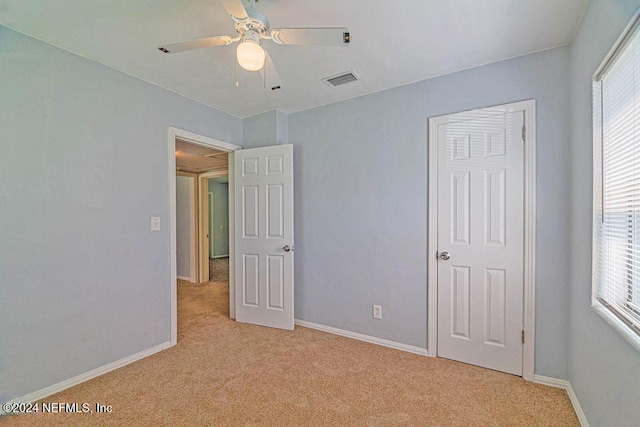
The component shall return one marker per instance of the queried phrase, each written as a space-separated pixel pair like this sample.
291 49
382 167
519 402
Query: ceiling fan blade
195 44
235 8
270 74
338 36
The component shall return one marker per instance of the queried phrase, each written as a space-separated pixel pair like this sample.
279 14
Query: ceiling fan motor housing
256 22
251 36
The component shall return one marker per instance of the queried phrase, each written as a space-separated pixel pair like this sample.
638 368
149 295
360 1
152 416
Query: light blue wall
184 214
282 127
604 369
83 167
361 201
219 229
265 129
260 130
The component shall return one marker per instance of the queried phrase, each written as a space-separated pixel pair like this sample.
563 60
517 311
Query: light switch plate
377 312
155 223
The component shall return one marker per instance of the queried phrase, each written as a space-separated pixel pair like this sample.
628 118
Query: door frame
205 141
204 218
528 349
211 221
193 229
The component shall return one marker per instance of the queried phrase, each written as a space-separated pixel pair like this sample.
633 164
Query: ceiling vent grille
341 79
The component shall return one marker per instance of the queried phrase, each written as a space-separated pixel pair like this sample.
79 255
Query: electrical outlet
155 223
377 312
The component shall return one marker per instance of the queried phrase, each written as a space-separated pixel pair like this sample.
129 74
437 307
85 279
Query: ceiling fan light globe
250 55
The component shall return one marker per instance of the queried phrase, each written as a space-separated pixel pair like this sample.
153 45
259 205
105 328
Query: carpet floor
226 373
219 270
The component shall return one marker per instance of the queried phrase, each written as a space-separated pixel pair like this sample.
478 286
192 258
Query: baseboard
220 256
362 337
55 388
576 406
554 382
186 279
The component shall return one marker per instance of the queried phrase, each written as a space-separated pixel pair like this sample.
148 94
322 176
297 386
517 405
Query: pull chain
237 84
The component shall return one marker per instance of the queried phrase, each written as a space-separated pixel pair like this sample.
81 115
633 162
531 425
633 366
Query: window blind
617 183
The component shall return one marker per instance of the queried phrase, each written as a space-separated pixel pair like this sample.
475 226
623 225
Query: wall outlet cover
155 223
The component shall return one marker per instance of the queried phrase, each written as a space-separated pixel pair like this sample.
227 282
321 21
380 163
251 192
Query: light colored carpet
227 373
219 270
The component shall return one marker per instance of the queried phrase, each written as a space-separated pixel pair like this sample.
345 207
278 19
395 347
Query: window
616 231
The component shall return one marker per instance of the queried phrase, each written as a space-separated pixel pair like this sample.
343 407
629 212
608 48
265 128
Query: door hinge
524 133
523 336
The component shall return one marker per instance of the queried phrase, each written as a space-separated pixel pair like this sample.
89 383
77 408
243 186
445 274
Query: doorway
481 306
197 145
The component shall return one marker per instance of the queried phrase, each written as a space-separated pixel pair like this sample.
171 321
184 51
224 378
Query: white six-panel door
264 236
480 239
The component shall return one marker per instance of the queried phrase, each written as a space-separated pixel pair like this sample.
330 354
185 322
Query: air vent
340 79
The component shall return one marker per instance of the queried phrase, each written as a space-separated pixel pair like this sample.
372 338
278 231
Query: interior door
480 239
264 236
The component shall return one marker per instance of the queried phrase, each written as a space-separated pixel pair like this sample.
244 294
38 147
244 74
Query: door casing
193 229
212 249
205 141
203 222
529 108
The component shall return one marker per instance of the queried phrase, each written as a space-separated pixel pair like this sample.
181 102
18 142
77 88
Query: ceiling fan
253 27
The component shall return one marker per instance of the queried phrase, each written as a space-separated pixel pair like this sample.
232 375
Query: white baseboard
186 279
554 382
362 337
55 388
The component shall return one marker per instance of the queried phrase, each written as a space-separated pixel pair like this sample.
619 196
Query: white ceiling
393 42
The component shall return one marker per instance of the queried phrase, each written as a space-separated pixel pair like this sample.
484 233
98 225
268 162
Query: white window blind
617 183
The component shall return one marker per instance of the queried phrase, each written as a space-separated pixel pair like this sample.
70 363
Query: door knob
444 256
287 248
